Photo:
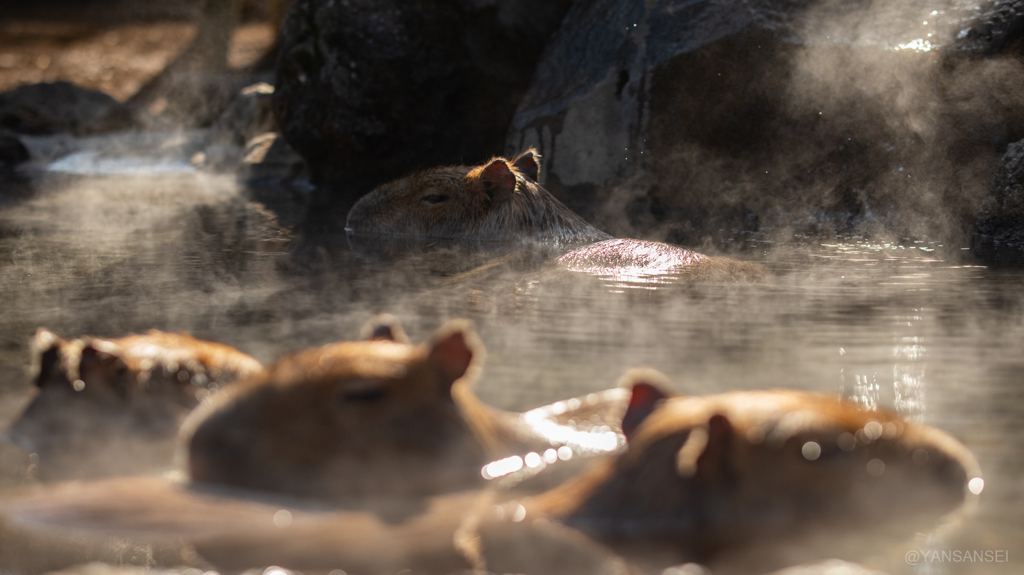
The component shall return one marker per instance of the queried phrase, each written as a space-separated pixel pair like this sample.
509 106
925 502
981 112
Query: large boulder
59 107
369 90
999 232
998 27
692 120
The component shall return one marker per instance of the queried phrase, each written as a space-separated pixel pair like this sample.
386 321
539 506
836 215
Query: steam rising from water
886 75
869 120
890 130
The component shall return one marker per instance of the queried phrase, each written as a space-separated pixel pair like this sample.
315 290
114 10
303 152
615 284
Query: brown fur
357 418
155 522
642 261
706 473
669 496
407 426
502 201
110 406
493 202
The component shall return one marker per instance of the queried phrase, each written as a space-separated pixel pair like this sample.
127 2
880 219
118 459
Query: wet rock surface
999 232
999 27
370 91
248 116
701 120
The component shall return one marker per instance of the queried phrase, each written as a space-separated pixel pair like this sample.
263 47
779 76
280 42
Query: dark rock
999 232
612 79
269 156
249 115
188 99
998 28
52 108
370 90
691 120
12 151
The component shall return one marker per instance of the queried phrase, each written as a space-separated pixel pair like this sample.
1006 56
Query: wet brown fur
352 419
706 473
476 207
746 481
95 393
500 201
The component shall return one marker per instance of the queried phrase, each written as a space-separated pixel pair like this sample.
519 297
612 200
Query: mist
847 153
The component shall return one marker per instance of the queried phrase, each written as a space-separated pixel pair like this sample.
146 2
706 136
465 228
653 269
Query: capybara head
498 201
106 407
349 419
721 469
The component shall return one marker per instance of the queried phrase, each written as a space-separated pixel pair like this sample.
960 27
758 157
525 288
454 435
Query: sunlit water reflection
897 324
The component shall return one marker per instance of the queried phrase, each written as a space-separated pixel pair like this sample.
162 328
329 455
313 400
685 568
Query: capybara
383 440
700 476
377 417
155 521
501 201
703 474
114 406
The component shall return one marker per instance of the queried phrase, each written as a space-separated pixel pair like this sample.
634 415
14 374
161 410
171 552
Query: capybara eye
370 395
434 198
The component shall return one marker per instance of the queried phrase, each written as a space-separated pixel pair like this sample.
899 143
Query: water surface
904 324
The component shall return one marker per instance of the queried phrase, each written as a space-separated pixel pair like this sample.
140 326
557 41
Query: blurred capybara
114 406
363 418
502 201
700 475
705 473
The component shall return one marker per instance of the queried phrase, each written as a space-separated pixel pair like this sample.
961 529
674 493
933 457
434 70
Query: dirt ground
110 45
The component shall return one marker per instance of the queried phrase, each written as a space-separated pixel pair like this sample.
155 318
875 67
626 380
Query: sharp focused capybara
365 418
114 406
499 201
502 201
704 473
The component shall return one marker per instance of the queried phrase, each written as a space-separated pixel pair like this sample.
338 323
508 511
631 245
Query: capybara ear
384 326
644 398
101 365
648 390
498 181
706 451
452 349
45 355
714 463
529 164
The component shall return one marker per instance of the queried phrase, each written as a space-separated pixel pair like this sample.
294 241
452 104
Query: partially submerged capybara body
346 419
114 406
502 201
642 261
702 477
159 522
382 441
365 418
701 474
